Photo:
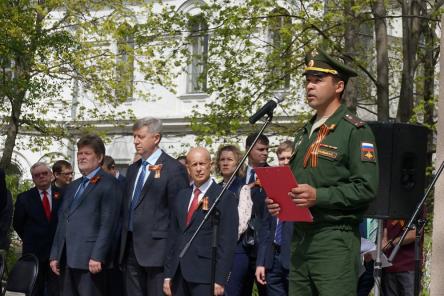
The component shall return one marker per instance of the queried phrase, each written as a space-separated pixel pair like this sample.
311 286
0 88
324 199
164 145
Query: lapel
150 179
36 203
81 198
69 195
132 180
183 207
211 194
55 198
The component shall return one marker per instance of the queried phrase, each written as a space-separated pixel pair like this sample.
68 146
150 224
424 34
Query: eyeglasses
67 174
42 174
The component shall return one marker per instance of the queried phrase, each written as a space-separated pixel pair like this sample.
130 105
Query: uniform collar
332 121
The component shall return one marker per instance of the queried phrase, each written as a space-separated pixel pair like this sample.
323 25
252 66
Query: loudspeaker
402 156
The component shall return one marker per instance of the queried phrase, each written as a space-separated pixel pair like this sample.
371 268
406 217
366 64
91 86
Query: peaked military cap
318 61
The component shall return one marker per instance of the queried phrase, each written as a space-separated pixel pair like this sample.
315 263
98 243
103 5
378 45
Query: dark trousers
47 283
366 280
239 273
277 277
114 282
251 278
139 280
398 283
80 282
180 287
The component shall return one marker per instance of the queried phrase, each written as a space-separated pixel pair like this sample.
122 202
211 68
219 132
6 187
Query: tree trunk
382 61
11 134
351 35
410 33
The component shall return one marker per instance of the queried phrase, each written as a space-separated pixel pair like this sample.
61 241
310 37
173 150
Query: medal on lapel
156 169
204 203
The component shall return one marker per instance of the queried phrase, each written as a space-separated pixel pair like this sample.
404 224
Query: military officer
336 167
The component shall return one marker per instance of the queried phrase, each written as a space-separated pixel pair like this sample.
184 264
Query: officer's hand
273 208
167 287
218 290
260 275
94 266
54 264
303 196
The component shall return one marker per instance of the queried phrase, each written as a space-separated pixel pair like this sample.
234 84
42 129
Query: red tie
46 206
194 205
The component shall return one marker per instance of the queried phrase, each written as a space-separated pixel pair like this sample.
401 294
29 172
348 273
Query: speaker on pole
402 155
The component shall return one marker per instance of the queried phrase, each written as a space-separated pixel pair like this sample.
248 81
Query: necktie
81 187
278 233
79 192
252 177
194 205
137 191
46 206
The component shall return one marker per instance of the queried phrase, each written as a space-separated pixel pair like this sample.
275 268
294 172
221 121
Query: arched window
279 32
125 62
198 38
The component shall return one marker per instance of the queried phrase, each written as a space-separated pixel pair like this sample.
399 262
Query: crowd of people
109 234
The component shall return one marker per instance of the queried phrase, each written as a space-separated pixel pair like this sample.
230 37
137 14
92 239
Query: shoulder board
354 120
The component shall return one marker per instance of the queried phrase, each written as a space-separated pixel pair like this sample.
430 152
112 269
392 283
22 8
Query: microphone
266 109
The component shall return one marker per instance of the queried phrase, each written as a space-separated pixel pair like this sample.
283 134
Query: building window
125 63
197 73
280 54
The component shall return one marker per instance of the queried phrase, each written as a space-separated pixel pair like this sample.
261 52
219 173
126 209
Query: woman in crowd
227 159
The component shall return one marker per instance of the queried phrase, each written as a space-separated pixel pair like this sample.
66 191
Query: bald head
199 165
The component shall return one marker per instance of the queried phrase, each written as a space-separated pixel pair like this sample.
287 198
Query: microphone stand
413 219
212 209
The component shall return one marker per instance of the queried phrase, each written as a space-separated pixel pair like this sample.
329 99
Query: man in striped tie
152 183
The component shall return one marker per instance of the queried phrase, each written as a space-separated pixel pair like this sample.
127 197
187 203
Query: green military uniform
339 161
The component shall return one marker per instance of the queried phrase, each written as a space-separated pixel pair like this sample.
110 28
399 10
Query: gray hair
154 125
37 164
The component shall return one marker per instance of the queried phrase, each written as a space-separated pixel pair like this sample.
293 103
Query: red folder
277 183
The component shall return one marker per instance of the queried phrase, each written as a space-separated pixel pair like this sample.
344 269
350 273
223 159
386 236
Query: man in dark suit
35 221
63 173
3 190
87 224
109 166
115 276
153 182
273 258
190 275
5 224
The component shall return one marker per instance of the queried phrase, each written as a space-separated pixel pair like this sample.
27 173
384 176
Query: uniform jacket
31 224
151 218
87 225
196 263
346 177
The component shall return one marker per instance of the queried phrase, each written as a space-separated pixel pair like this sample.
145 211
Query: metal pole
377 272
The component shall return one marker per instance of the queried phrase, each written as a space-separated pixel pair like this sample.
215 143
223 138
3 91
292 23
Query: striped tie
372 229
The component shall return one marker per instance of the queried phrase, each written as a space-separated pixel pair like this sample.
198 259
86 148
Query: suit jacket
196 263
151 216
31 224
265 252
87 225
5 222
3 190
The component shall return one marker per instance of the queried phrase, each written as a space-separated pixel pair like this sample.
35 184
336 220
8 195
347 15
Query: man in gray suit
87 223
153 182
